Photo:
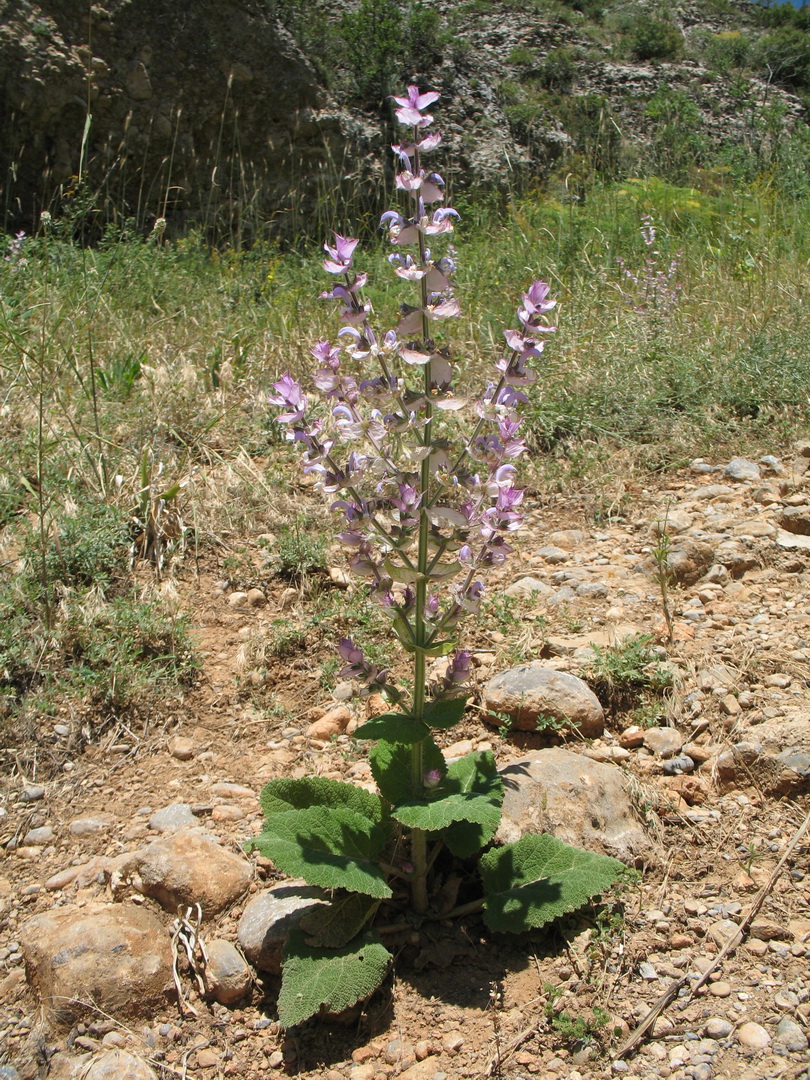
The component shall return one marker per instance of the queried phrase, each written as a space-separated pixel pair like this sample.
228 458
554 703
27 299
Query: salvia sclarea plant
427 507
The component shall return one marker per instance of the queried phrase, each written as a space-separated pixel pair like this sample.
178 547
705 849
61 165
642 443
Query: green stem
418 837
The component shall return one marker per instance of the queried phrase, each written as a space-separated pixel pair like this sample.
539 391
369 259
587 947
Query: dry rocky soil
98 857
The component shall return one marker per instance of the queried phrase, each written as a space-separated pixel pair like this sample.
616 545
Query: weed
299 550
624 675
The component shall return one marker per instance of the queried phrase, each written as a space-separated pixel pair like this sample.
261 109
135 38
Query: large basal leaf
539 878
394 728
334 926
446 712
391 767
332 979
328 846
471 791
285 794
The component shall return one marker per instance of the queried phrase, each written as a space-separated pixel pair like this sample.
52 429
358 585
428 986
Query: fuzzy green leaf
444 571
394 728
391 767
334 926
403 574
446 712
285 794
332 980
440 648
471 791
328 846
538 879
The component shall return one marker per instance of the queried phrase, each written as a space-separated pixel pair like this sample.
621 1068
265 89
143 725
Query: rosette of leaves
346 840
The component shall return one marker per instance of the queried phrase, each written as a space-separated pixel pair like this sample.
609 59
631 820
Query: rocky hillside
251 112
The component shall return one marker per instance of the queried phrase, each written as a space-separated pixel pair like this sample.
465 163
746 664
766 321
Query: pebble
718 1028
182 748
172 817
33 793
89 826
720 989
789 1037
753 1036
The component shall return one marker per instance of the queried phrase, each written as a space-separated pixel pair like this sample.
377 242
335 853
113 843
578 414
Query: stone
531 692
172 817
340 577
227 977
688 561
33 793
753 1036
796 519
182 748
678 765
720 989
632 737
114 1065
256 598
581 802
238 600
789 1037
718 1028
268 919
89 826
672 523
583 644
334 722
791 541
721 931
185 869
567 539
115 958
664 742
553 555
39 837
709 492
528 588
742 470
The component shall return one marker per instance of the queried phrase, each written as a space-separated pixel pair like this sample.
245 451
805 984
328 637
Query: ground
467 1002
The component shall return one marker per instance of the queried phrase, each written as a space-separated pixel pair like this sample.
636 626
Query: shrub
649 38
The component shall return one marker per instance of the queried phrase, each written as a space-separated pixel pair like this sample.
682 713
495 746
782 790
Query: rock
672 523
553 555
256 598
796 519
709 492
677 765
567 539
32 793
582 802
340 577
114 1065
89 826
741 470
334 722
752 1036
791 541
39 837
664 742
789 1037
182 748
721 931
528 587
631 738
113 958
688 561
531 692
718 1028
186 869
720 989
172 817
238 600
227 976
571 644
268 919
227 813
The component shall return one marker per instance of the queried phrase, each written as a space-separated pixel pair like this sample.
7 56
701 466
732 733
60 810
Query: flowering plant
426 511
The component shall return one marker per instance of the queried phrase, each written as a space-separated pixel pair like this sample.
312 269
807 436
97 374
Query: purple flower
535 304
432 778
340 256
459 668
291 395
410 107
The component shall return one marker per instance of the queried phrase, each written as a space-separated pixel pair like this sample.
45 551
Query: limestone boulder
268 919
187 868
532 697
227 977
115 958
582 802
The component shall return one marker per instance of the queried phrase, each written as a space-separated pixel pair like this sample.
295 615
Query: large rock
581 802
527 697
796 519
115 958
106 1065
776 752
687 561
186 869
268 919
227 977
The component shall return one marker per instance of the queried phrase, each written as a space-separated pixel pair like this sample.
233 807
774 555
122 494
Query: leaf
331 979
449 515
328 846
394 728
286 794
391 767
445 712
440 648
538 879
403 574
444 571
334 926
471 791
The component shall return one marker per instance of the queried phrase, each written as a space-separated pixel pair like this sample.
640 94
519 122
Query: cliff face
208 110
211 112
